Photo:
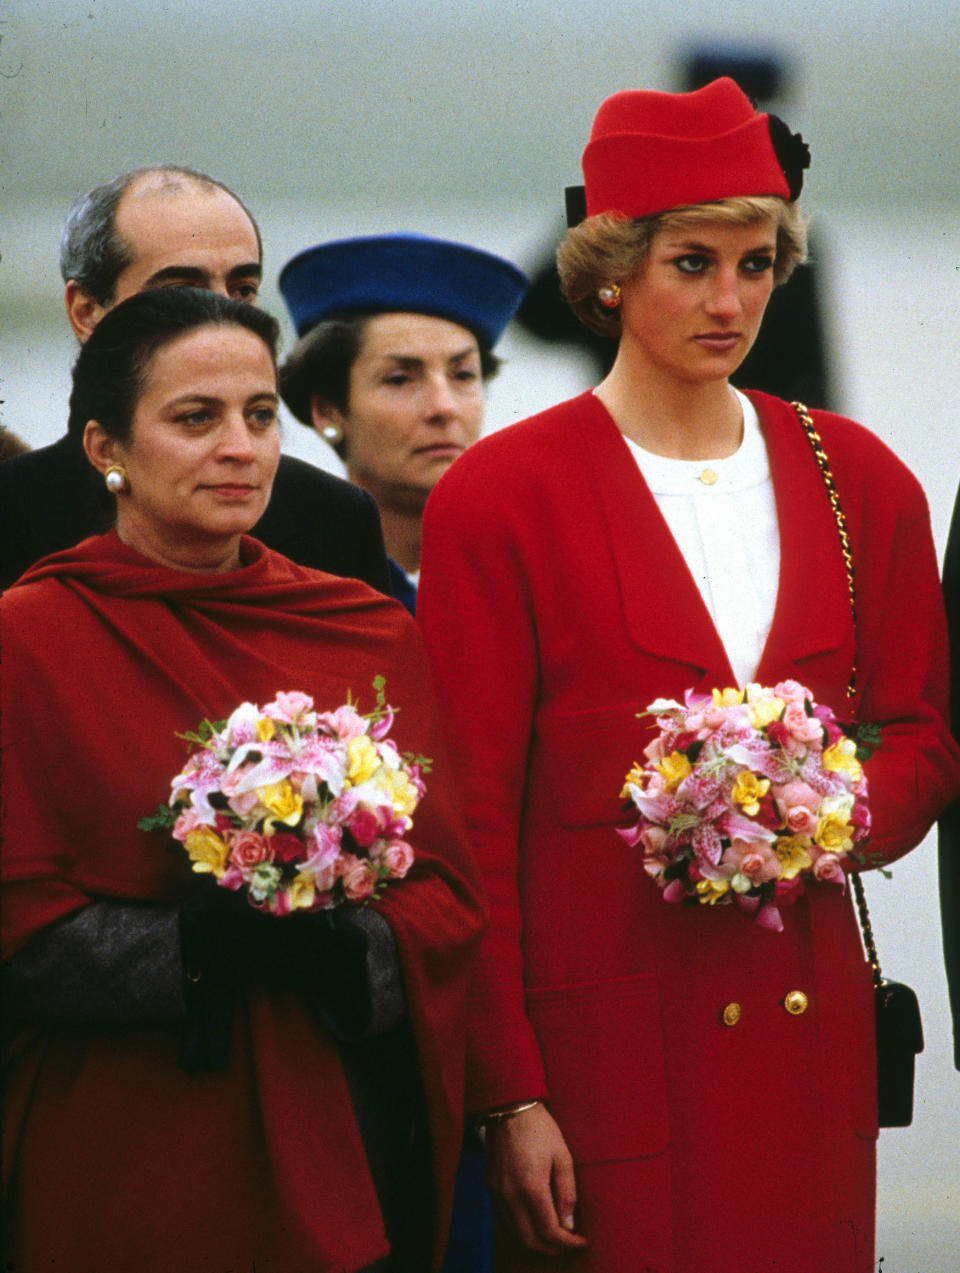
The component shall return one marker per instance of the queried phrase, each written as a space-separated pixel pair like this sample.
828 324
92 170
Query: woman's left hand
530 1174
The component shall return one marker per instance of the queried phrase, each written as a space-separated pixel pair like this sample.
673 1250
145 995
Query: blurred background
466 119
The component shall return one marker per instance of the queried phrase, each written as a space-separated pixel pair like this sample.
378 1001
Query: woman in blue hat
397 335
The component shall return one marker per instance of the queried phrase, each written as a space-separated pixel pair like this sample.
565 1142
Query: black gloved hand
226 943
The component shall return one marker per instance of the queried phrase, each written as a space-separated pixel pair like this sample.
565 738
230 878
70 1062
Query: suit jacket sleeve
901 640
476 616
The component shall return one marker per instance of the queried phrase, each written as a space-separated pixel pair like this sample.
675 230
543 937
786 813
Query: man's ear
100 448
83 311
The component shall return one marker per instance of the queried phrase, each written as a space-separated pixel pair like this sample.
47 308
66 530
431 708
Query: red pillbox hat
649 152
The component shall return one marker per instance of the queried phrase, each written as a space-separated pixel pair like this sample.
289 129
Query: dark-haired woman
397 336
191 1085
674 1087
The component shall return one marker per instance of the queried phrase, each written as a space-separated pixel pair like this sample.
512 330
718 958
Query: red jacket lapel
652 575
812 614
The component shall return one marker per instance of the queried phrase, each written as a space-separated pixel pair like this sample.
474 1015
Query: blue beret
389 273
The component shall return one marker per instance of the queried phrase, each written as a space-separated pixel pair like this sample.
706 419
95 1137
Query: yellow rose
362 760
727 698
711 891
834 833
841 757
765 711
793 855
673 769
265 729
405 794
207 851
285 804
748 791
302 891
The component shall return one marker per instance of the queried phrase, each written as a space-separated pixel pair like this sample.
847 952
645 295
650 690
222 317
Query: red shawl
106 656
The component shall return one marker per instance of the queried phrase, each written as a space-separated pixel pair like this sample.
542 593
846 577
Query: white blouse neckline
748 467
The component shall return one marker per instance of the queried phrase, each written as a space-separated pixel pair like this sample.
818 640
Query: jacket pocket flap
602 1047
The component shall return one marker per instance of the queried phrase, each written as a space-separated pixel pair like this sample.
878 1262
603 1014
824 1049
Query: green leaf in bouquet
162 819
205 732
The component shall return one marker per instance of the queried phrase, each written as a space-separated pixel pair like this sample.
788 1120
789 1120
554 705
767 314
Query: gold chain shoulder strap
816 444
820 455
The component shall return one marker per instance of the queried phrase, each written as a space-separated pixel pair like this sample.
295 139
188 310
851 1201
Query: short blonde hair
608 248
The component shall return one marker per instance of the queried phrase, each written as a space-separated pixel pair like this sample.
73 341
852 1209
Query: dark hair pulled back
110 370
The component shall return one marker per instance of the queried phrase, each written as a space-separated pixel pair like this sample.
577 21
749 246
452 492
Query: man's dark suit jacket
949 847
51 498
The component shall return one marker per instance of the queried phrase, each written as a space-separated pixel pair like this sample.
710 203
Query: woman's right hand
530 1175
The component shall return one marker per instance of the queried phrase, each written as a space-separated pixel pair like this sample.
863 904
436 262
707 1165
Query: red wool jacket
113 1157
556 605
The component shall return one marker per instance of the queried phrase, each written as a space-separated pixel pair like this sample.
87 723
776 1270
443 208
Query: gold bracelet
508 1111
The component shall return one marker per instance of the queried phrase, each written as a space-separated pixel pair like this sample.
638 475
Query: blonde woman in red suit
674 1088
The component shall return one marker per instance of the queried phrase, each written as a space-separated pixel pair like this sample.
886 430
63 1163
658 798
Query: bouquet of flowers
745 794
306 810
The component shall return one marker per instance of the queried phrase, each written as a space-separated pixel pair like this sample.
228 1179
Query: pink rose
188 821
359 880
753 858
797 804
827 867
248 849
344 723
792 692
752 866
800 821
289 707
800 726
398 859
654 841
713 717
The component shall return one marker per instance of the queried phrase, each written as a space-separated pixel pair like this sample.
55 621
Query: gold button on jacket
731 1014
796 1002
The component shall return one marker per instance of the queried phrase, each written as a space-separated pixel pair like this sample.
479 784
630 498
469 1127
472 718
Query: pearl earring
332 433
116 479
609 295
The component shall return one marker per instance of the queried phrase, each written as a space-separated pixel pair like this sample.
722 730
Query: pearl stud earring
116 479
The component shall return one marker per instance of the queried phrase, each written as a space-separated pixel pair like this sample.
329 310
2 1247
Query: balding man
169 226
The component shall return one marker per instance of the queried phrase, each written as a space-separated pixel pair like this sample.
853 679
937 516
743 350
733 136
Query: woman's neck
402 536
682 420
215 557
